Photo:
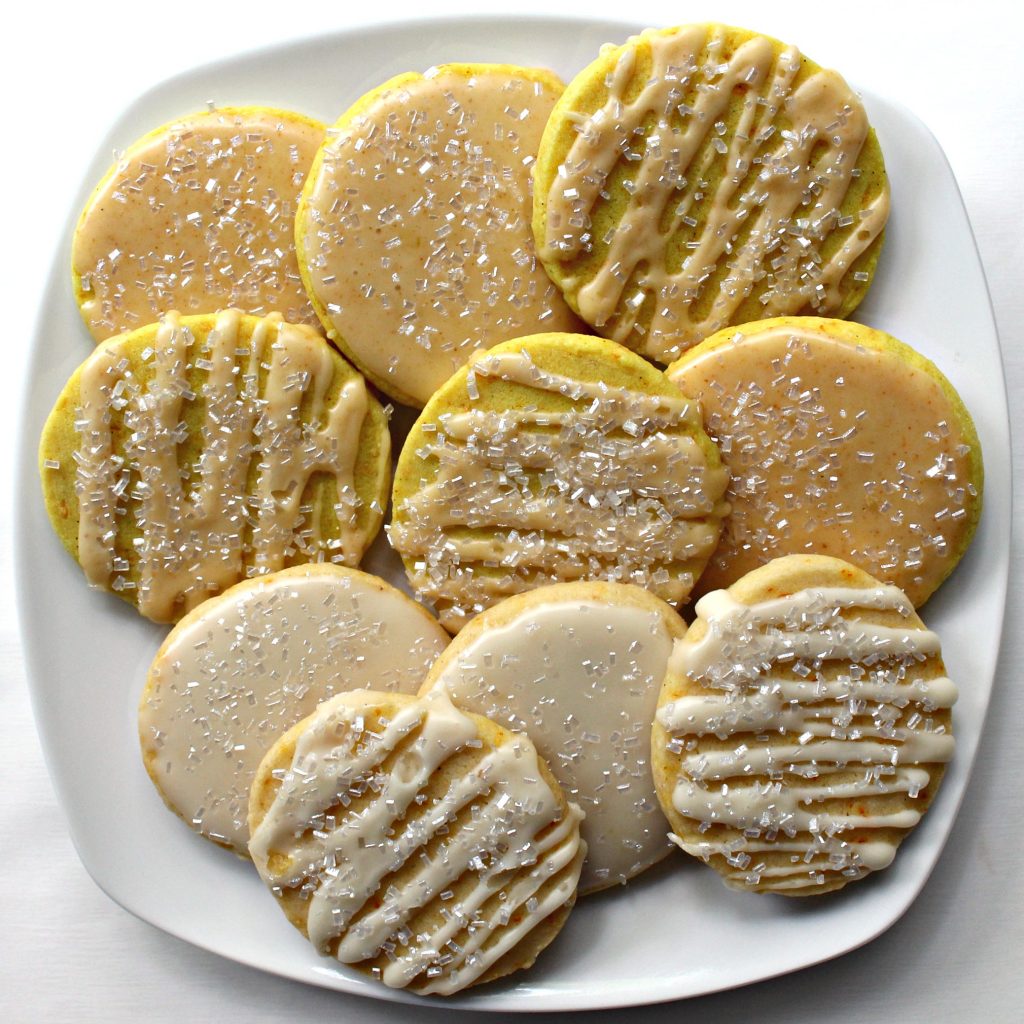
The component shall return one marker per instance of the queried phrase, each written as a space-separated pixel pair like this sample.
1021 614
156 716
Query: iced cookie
841 441
803 729
428 848
702 176
245 666
578 667
191 454
554 458
414 231
197 215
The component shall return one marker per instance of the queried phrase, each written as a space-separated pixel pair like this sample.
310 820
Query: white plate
676 931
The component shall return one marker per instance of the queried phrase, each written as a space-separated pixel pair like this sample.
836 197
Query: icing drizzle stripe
761 206
790 764
496 834
617 487
196 540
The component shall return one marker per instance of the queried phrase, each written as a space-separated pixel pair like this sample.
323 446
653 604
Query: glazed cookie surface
554 458
702 176
190 454
578 667
841 441
428 848
803 729
245 666
414 231
197 215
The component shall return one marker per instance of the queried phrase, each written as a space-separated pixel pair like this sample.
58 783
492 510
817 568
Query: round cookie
803 729
578 667
549 459
414 233
245 666
841 441
190 454
195 216
702 176
428 848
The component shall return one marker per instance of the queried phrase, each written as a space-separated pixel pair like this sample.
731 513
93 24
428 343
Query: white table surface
67 953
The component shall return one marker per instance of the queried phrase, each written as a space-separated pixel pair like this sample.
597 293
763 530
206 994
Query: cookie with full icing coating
426 847
841 441
804 727
245 666
191 454
195 216
554 458
702 176
413 232
578 667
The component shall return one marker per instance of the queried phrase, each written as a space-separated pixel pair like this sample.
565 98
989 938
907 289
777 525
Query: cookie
841 441
702 176
414 233
804 727
578 667
554 458
245 666
193 453
197 215
428 848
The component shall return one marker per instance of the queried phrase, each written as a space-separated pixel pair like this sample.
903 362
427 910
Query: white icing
248 665
581 678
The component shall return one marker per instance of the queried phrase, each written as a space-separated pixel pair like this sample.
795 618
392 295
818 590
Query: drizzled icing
804 732
838 444
612 484
267 433
433 876
198 215
581 678
247 665
416 224
733 171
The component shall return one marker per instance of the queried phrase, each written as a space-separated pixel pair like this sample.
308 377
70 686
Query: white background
69 954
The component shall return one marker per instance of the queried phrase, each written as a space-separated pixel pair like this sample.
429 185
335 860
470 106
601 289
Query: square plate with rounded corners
88 653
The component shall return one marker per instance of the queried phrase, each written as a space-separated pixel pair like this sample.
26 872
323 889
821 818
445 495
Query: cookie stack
619 307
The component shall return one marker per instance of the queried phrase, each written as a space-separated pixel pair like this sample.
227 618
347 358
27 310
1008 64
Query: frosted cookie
554 458
578 667
803 729
195 216
426 847
841 441
414 231
245 666
193 453
702 176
